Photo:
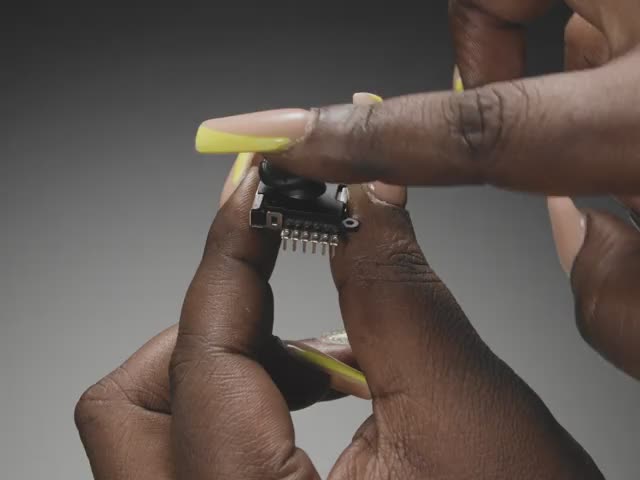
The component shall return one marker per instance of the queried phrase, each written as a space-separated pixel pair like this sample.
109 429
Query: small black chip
302 210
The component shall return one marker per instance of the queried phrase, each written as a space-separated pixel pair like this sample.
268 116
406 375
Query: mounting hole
274 220
350 223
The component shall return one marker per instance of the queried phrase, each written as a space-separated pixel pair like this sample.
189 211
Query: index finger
229 420
489 37
558 134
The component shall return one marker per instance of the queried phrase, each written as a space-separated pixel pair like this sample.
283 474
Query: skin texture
443 404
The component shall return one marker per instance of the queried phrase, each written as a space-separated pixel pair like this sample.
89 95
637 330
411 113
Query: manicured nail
343 378
237 173
393 194
335 344
458 86
337 337
268 131
569 226
366 98
240 167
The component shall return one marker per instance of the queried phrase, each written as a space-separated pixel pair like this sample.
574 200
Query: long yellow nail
366 98
240 167
213 141
458 86
267 131
344 378
236 174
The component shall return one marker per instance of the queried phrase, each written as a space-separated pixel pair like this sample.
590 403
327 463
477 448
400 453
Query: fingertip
568 227
395 195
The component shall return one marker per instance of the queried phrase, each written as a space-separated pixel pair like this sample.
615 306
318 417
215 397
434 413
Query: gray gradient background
105 207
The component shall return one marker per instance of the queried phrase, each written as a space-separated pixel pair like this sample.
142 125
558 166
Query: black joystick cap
290 185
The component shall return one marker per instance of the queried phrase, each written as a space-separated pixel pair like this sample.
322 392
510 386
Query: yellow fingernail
458 86
240 167
214 141
333 365
344 378
364 98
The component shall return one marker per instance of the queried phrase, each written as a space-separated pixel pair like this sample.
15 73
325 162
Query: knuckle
184 358
198 355
95 401
478 121
398 261
484 120
85 410
357 146
362 143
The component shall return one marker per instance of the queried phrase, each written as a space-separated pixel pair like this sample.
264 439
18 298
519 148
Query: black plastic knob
290 185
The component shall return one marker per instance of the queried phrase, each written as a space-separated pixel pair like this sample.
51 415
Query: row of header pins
314 238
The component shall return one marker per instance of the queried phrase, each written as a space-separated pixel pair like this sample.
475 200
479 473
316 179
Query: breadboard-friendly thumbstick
306 212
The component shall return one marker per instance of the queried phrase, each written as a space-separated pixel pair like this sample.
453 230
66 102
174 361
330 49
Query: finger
568 227
333 348
131 403
336 344
534 135
345 378
330 351
404 325
241 427
303 374
606 283
396 195
585 46
616 19
489 38
432 378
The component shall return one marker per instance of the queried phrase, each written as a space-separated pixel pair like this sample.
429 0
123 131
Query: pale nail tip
336 338
367 97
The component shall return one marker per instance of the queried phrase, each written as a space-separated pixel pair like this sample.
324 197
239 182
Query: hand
597 250
569 133
563 134
211 398
444 405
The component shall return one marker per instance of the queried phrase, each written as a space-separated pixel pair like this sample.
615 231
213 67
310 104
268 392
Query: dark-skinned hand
565 134
216 406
